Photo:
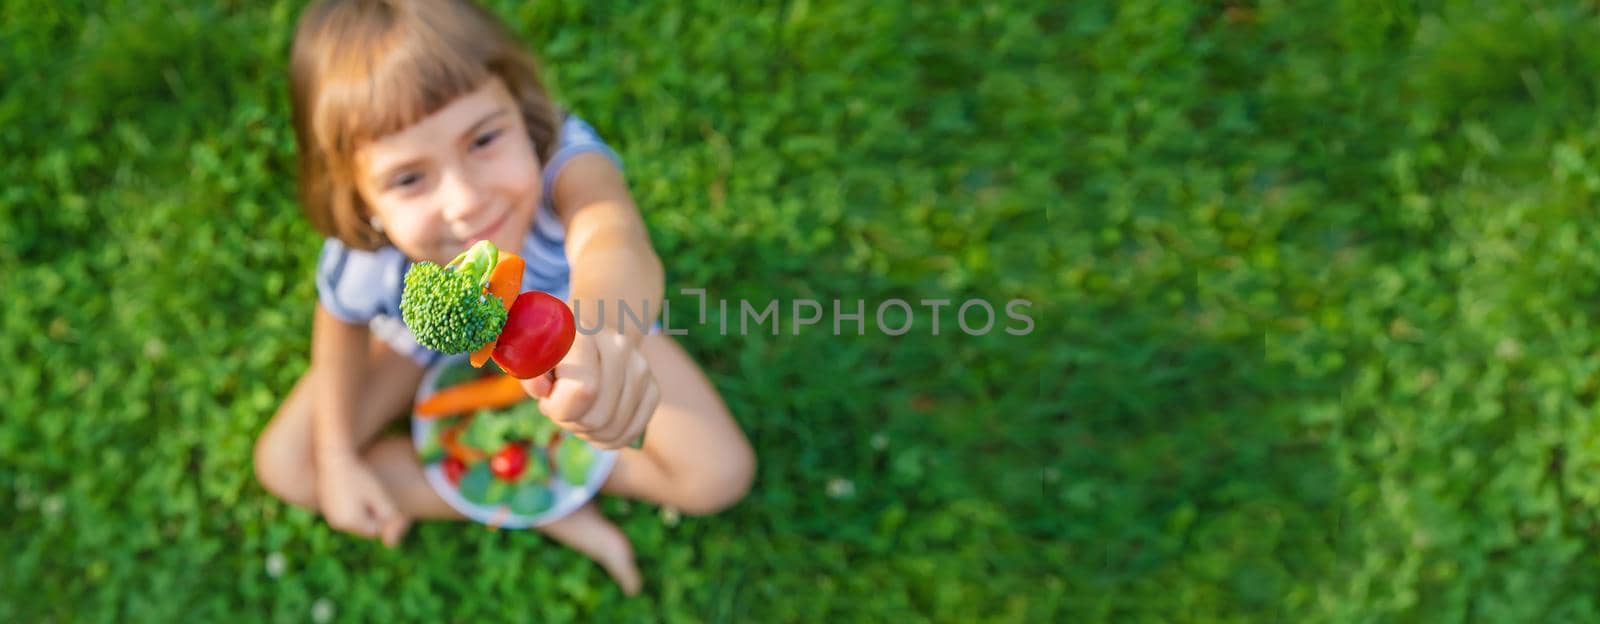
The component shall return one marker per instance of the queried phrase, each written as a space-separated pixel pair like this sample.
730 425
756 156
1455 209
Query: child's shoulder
356 285
576 137
575 131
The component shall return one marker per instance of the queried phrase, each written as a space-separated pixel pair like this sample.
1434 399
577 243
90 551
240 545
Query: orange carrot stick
482 354
486 393
450 440
505 281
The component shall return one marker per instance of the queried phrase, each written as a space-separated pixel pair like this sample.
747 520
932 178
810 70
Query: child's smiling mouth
488 232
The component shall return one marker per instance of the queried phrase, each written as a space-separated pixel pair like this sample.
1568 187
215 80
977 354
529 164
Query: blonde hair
362 69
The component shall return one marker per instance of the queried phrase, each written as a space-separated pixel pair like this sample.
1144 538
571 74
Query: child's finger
647 410
568 402
614 378
383 515
357 524
395 530
539 387
636 380
576 378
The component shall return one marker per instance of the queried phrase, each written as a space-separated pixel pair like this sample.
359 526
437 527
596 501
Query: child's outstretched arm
603 390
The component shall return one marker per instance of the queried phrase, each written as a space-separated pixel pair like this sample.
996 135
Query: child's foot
620 565
590 533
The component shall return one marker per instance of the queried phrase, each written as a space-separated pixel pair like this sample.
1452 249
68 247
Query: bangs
388 75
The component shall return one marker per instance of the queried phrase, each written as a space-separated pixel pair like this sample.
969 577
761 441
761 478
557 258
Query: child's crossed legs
694 458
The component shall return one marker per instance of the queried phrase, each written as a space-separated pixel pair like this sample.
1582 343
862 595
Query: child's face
466 173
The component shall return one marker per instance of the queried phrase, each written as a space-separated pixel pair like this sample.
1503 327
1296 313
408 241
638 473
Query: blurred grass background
1314 342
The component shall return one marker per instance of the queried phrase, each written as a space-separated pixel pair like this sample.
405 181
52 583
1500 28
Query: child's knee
717 488
284 470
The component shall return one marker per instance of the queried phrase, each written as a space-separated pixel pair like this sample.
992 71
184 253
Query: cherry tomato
509 462
453 469
538 332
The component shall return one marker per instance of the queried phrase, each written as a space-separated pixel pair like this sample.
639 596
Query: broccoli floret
446 308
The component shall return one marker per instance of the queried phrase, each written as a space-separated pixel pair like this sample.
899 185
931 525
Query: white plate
566 498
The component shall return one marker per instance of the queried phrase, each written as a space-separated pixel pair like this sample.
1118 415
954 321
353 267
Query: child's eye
485 139
405 180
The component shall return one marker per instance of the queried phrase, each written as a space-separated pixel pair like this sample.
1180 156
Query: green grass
1314 305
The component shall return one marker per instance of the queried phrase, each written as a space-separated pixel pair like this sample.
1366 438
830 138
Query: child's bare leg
395 462
286 468
283 454
694 457
589 532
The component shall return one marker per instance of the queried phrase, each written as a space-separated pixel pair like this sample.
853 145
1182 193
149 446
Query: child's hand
353 500
602 390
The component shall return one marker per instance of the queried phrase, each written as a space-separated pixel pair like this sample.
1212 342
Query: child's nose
463 197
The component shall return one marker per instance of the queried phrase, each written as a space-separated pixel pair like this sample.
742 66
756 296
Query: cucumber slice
486 433
530 499
573 459
537 469
431 451
498 492
475 484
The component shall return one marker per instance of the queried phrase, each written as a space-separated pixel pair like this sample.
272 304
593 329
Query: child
422 128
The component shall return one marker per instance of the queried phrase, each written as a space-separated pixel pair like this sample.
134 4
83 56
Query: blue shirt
359 287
